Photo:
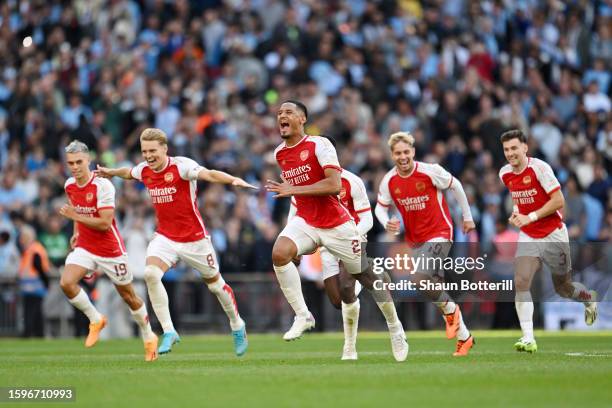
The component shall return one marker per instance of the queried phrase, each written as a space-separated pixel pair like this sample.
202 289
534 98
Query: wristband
533 216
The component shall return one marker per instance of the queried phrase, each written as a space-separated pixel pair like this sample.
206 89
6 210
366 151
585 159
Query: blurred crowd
211 74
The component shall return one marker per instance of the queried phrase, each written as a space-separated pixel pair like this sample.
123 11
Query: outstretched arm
221 177
123 172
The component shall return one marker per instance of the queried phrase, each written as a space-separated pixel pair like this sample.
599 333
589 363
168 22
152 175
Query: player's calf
129 296
332 289
225 296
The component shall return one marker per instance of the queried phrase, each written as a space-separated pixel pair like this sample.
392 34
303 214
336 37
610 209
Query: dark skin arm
330 185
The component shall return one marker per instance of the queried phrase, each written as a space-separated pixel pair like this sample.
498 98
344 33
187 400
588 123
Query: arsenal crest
89 197
420 186
397 191
342 193
304 155
527 180
168 177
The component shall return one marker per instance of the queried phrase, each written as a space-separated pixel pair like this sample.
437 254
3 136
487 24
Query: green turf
570 369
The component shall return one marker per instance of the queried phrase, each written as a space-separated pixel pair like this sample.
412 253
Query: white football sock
158 297
350 320
225 295
524 311
358 288
388 310
445 303
81 301
289 281
463 333
141 317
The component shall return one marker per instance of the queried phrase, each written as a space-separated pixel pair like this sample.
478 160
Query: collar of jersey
297 144
526 167
165 167
416 164
88 181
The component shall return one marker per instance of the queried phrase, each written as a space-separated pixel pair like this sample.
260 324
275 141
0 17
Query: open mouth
284 126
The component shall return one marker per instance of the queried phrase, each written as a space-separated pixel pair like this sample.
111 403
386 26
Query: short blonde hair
154 134
397 137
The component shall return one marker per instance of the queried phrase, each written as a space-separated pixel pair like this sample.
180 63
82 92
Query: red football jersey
303 164
173 192
352 195
420 201
98 194
530 190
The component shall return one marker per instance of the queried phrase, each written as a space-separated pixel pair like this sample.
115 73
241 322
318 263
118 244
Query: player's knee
521 283
153 274
281 255
68 286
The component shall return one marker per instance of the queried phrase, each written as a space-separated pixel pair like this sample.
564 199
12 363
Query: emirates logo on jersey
304 155
168 177
420 186
527 180
89 197
342 193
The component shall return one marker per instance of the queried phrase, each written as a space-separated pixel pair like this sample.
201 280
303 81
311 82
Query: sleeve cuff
363 210
331 166
553 190
106 207
383 204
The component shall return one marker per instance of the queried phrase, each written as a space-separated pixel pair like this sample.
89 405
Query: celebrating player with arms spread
537 198
416 190
172 184
97 245
312 175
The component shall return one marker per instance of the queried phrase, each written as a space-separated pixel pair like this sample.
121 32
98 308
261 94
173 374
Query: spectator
33 281
454 75
9 256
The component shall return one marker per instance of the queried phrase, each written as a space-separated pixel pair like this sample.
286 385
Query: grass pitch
570 369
